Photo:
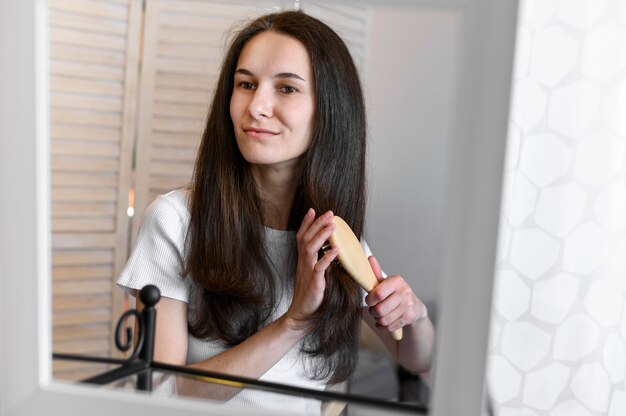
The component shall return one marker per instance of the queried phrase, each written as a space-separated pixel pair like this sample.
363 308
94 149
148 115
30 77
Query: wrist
422 318
293 326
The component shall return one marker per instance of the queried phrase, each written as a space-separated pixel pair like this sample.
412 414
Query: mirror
131 84
484 55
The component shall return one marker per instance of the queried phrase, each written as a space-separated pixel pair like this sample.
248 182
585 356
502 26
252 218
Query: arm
252 358
392 305
258 353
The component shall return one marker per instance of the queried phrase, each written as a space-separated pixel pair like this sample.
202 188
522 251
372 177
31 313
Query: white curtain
558 331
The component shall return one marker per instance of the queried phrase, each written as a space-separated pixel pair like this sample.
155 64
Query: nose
261 104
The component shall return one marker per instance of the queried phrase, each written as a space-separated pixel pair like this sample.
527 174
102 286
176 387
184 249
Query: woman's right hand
310 281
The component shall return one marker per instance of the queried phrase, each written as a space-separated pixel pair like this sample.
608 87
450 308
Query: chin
274 162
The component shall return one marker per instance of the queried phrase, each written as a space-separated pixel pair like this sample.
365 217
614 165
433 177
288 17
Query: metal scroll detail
125 345
141 360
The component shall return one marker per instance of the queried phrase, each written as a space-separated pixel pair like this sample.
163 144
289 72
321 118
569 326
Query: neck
277 189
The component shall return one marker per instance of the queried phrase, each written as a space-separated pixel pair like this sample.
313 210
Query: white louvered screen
93 76
183 46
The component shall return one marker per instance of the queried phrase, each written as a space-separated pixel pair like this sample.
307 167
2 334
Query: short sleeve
158 256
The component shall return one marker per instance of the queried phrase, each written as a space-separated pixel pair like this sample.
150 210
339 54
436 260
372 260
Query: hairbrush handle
354 261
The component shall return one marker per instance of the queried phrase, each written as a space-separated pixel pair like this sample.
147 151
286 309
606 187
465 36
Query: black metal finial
150 295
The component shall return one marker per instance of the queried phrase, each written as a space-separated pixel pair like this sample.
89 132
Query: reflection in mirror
130 88
330 404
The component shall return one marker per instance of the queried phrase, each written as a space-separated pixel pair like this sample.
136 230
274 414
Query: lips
256 132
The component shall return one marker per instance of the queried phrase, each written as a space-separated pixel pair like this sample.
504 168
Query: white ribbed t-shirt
158 259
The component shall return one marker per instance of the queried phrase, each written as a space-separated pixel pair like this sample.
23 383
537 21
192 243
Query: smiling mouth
259 132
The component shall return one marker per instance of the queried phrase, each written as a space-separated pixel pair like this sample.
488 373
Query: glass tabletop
267 396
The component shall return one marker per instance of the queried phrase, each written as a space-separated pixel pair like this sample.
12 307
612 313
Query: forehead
275 53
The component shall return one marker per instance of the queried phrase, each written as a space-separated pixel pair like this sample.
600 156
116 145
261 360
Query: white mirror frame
469 241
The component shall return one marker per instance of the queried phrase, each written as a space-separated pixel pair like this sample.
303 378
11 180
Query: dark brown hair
226 255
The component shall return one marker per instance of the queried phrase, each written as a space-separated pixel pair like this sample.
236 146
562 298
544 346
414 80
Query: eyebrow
280 75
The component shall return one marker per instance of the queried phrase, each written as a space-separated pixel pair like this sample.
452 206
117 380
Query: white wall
409 82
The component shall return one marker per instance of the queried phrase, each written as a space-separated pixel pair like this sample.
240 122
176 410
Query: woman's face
273 101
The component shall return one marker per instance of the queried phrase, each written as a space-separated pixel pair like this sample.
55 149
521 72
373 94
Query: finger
317 280
326 260
315 237
386 287
321 237
382 291
321 222
308 219
396 324
385 306
409 310
390 316
378 272
393 327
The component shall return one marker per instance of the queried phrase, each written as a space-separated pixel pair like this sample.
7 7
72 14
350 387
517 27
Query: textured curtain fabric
558 328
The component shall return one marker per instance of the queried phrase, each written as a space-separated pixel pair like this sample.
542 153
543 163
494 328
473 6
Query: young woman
236 256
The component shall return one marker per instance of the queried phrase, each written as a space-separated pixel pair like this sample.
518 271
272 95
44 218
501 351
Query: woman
235 256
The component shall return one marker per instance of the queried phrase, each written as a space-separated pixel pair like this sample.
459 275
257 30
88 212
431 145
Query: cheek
306 119
235 108
232 109
310 127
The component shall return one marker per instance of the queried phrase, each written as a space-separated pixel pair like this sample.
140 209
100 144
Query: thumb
376 268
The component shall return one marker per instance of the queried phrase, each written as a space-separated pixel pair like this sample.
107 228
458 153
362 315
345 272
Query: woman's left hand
392 303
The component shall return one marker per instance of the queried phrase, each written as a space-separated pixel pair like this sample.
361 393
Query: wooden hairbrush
353 259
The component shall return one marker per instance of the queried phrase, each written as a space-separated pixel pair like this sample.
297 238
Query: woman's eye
246 85
288 89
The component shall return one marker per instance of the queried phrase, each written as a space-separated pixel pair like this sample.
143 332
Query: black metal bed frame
141 363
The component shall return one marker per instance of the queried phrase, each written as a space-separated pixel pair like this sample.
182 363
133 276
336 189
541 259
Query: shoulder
170 208
159 250
175 202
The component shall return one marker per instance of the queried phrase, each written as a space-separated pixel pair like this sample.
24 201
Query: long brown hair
226 255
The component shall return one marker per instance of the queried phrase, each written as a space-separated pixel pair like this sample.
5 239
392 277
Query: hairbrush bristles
325 249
